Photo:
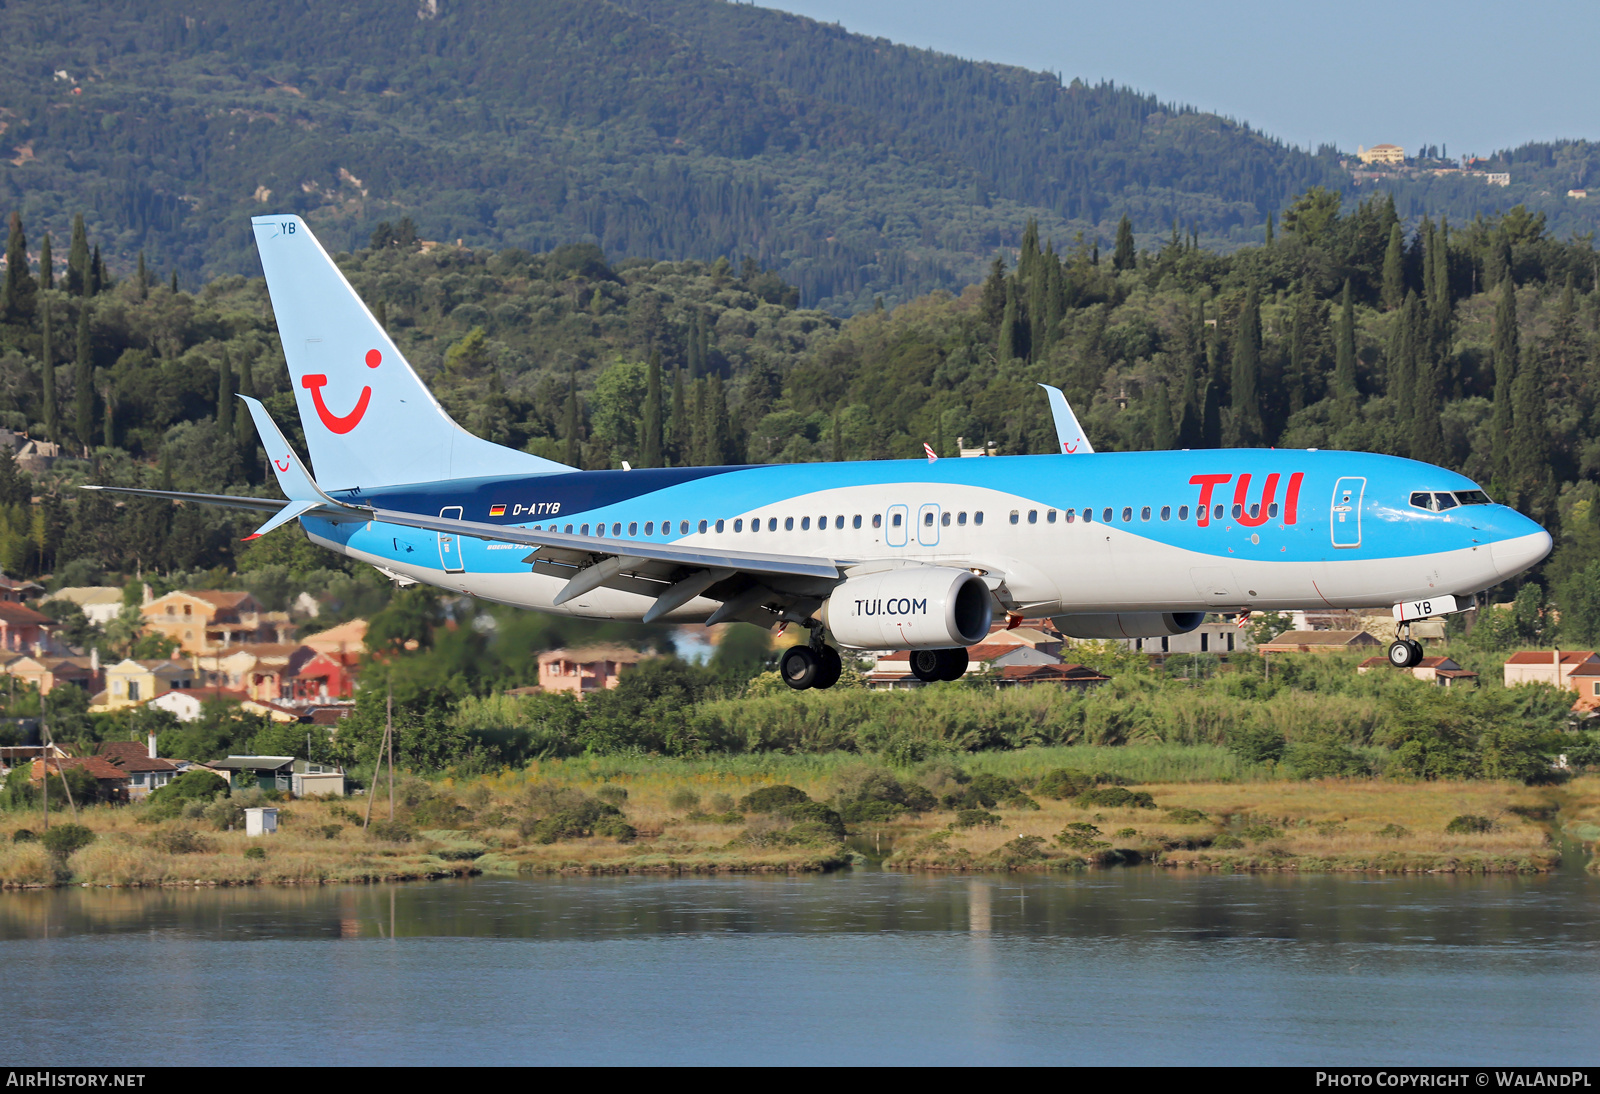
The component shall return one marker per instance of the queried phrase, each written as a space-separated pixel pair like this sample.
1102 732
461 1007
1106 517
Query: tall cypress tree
573 451
83 383
142 277
20 290
1403 371
1344 354
78 258
1528 461
650 423
719 441
1125 256
1393 293
1028 261
225 398
1505 354
1191 411
47 354
1162 435
678 431
1427 432
1246 394
47 265
1007 343
700 427
97 274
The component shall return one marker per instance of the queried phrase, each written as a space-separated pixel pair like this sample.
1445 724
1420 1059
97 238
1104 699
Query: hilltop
853 167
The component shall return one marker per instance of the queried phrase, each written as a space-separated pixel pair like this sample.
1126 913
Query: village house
1434 670
347 639
1553 667
591 668
114 782
1219 638
210 620
263 670
324 676
1318 642
15 591
147 772
46 673
130 682
22 629
100 603
1390 154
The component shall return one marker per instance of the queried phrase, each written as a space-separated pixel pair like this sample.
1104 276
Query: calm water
1133 965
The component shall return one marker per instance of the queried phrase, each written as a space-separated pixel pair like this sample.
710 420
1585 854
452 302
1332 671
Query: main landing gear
1405 652
814 666
931 665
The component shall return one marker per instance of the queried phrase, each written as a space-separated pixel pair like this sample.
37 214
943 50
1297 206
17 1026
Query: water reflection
859 966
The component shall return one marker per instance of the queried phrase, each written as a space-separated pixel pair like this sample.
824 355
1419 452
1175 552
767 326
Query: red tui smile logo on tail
336 423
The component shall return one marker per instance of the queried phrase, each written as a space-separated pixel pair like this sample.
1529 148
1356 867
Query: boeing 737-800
894 554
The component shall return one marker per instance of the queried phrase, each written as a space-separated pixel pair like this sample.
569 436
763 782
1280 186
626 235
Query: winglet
293 479
1069 434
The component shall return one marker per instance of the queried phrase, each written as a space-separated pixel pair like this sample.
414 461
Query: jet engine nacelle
1128 624
917 608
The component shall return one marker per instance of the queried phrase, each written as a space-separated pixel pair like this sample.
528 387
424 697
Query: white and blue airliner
892 554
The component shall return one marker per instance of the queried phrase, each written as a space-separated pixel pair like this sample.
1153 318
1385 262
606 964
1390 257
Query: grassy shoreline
675 817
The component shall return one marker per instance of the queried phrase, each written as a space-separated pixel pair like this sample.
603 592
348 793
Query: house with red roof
213 619
1553 667
1433 670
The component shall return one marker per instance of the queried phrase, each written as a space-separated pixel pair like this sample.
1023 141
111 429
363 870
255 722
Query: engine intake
919 608
1128 624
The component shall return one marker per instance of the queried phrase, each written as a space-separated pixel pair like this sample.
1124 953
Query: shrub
1393 831
1021 850
575 817
815 813
1060 784
225 814
1324 757
612 795
255 853
683 800
181 841
721 803
1260 832
1115 797
24 835
1181 815
974 818
770 799
1257 744
1079 836
344 813
616 828
1127 833
64 839
28 864
329 831
1227 842
391 831
1469 824
871 812
193 785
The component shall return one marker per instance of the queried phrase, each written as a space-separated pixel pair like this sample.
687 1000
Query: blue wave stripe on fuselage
1390 527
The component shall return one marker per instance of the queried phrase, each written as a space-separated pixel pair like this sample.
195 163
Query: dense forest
670 129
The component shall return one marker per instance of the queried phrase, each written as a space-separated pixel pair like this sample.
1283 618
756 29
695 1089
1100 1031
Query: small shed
262 821
317 781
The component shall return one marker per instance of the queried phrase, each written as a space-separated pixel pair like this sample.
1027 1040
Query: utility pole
388 734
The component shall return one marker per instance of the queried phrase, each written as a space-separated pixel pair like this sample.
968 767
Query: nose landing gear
1405 652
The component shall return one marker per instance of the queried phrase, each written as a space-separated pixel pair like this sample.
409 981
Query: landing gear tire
829 667
1404 653
800 667
927 665
953 663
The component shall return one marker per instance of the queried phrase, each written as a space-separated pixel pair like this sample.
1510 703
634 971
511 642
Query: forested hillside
667 129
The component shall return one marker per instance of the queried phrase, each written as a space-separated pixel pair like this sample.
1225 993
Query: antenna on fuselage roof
1070 436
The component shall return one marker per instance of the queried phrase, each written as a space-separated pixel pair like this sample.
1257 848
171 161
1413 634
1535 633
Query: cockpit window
1472 497
1421 499
1445 501
1439 501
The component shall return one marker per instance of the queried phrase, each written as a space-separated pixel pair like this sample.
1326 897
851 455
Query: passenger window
1105 515
927 519
772 524
877 520
897 520
945 519
569 530
977 517
1049 516
805 523
616 528
1033 516
738 525
961 518
1127 514
1070 515
719 525
1144 514
855 521
1166 512
1444 501
1272 510
585 530
1183 512
650 527
1255 510
1015 516
1217 513
633 528
1088 516
1238 511
788 524
838 522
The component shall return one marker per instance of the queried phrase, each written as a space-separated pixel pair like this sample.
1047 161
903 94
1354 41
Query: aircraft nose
1512 556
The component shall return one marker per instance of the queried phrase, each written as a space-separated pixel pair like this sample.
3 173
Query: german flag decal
497 510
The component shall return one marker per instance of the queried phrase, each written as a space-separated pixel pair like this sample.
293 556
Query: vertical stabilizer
369 421
1069 434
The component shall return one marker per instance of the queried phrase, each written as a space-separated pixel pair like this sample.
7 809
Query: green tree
1162 435
1125 256
1394 271
1246 393
51 413
20 289
78 258
47 265
225 396
1505 355
1344 360
650 444
83 382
